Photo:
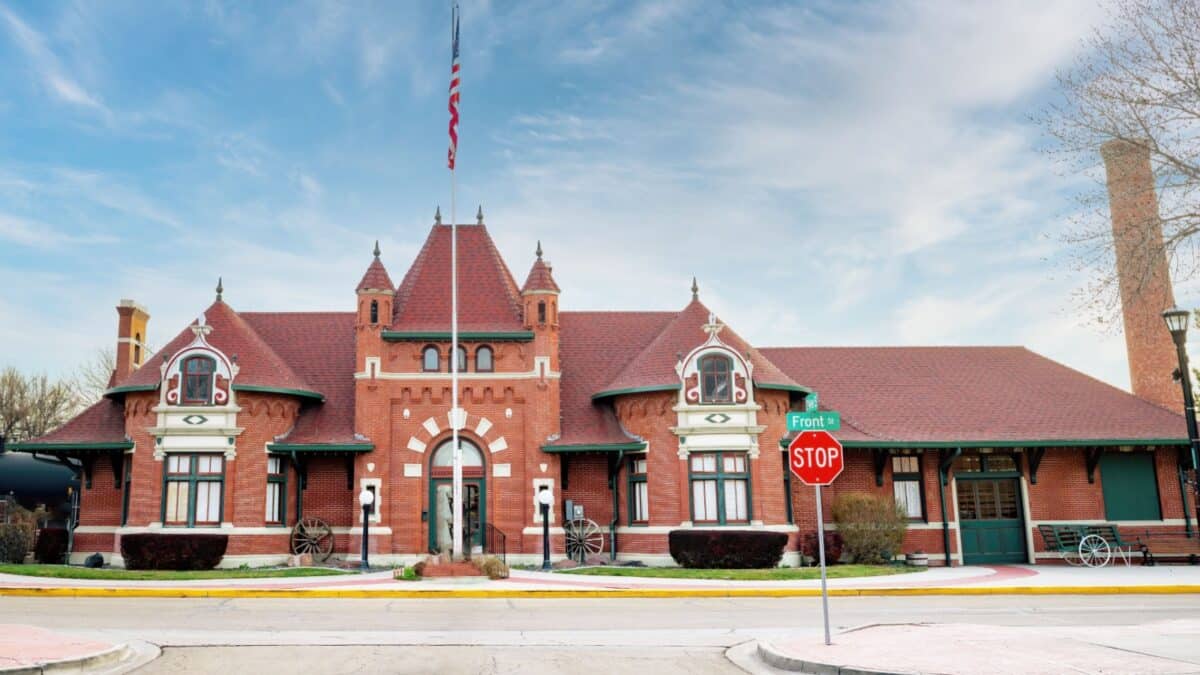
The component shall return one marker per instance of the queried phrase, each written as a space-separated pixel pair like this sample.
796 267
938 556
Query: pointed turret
375 293
540 278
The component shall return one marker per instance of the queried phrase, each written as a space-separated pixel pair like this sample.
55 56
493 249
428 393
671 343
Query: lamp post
545 499
366 498
1177 322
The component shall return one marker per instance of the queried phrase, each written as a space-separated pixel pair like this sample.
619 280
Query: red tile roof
969 394
101 422
376 278
320 347
258 364
654 365
593 347
488 298
540 277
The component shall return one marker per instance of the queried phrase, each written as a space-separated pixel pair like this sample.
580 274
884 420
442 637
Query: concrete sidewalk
1165 647
982 580
28 649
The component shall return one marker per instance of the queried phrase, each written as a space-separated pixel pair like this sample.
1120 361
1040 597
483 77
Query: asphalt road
662 636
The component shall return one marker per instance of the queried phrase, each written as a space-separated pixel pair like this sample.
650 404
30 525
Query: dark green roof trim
320 447
129 388
34 446
635 390
467 336
594 447
784 387
254 388
1058 443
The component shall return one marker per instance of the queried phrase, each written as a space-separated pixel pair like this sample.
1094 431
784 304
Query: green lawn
64 572
775 574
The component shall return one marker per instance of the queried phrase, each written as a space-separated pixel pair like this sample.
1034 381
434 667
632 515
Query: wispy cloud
48 68
34 234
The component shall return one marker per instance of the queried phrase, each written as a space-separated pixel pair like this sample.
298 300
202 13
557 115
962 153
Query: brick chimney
131 339
1142 273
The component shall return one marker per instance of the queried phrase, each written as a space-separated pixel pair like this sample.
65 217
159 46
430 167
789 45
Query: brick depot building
248 422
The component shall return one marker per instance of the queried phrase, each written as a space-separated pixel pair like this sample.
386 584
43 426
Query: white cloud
48 67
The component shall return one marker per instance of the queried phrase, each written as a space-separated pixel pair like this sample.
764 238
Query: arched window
462 359
483 360
444 455
716 371
374 311
431 359
137 349
198 380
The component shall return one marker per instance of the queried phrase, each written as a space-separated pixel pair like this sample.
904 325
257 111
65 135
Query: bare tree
1137 81
94 376
32 406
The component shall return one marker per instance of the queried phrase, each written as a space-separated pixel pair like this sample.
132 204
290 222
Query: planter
918 559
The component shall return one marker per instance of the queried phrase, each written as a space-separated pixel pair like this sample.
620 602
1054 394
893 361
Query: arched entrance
441 493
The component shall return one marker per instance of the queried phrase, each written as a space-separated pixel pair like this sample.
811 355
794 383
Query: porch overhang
86 454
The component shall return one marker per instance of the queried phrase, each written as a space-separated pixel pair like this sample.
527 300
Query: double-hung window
198 380
716 371
639 492
906 485
720 487
276 491
193 489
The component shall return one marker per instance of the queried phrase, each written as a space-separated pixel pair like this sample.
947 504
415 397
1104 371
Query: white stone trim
239 531
431 425
498 445
462 376
363 484
502 470
538 530
483 427
416 445
1122 523
687 525
412 470
537 508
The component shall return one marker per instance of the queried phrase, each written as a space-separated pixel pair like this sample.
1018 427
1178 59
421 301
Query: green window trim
917 477
125 491
193 479
593 447
787 488
280 479
720 476
633 480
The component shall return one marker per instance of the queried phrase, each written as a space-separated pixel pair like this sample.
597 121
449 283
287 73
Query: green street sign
826 420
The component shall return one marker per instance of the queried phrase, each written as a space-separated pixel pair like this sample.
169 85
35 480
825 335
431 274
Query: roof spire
220 289
479 215
376 248
539 249
437 216
695 289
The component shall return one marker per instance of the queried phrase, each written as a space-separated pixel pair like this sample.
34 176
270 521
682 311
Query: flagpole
457 485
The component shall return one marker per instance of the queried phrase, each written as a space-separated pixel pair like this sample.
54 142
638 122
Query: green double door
990 520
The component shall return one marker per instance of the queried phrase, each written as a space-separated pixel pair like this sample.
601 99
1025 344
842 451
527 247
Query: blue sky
834 173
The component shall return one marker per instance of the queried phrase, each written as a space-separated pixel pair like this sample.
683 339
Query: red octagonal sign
816 457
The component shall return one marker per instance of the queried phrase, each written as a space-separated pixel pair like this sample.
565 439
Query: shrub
419 568
492 566
51 547
14 542
833 547
727 549
872 527
155 551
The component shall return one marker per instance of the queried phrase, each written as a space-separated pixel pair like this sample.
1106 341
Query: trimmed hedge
833 547
51 547
154 551
727 549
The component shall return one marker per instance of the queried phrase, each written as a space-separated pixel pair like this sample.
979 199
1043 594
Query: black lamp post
366 498
1177 322
545 498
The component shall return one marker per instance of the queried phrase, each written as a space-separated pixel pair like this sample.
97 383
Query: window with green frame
639 492
720 487
193 486
276 491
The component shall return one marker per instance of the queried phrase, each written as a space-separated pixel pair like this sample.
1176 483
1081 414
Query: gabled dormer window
198 380
431 359
716 371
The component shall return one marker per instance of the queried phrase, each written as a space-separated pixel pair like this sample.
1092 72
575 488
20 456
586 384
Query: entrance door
989 519
441 524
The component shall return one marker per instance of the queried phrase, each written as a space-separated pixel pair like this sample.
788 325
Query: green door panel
1130 486
990 521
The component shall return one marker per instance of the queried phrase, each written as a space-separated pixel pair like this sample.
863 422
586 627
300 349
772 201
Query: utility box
574 511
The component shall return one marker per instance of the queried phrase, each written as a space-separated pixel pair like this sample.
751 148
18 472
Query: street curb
537 593
82 664
771 655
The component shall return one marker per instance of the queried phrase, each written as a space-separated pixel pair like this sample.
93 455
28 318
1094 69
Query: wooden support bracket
1035 456
1093 460
880 456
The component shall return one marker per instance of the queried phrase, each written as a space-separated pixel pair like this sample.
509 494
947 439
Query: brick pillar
1142 273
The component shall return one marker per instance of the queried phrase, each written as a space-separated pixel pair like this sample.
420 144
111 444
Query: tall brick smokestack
131 339
1142 273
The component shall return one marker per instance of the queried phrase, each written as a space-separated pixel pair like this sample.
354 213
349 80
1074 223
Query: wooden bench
1171 546
1089 545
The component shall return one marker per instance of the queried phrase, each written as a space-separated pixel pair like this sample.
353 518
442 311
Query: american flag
453 97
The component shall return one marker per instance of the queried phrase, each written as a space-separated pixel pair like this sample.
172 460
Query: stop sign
816 457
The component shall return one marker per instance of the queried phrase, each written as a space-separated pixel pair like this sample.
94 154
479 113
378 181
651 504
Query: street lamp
366 498
545 499
1177 322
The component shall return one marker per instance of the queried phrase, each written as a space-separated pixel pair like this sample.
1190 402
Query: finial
695 289
539 249
437 216
479 215
220 288
376 248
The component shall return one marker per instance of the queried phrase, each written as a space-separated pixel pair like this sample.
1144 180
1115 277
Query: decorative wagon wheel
1094 551
313 536
584 538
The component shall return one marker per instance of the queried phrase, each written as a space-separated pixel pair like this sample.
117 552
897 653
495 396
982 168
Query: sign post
816 458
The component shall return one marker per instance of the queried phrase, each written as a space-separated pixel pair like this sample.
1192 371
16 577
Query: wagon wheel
313 536
584 538
1094 551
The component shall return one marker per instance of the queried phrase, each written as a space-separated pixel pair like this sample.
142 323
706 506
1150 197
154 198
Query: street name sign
816 458
825 420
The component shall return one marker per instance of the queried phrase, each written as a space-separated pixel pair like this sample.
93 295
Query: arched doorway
441 493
